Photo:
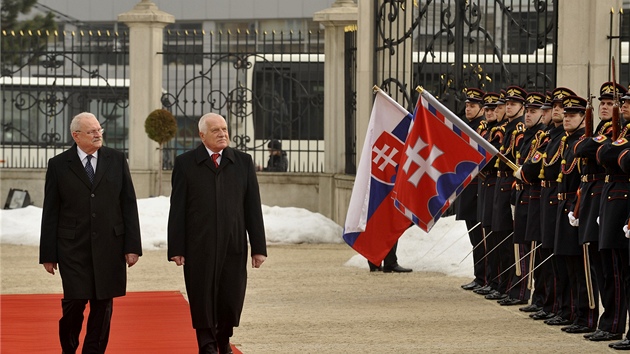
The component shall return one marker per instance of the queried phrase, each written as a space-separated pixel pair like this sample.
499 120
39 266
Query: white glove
573 221
626 231
519 174
513 210
598 220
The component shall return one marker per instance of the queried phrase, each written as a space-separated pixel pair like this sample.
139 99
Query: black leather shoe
396 269
484 290
589 335
508 301
558 321
495 295
542 315
530 308
225 349
471 286
603 336
374 267
621 345
210 348
575 328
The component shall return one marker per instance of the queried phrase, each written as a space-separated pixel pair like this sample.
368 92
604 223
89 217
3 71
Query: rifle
588 130
615 115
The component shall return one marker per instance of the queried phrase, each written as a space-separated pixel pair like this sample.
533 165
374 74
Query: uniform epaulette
620 142
520 127
600 138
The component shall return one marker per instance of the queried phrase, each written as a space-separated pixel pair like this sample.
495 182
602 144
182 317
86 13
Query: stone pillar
365 73
341 14
146 24
583 30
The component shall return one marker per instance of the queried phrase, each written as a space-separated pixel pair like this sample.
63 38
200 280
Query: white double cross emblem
424 166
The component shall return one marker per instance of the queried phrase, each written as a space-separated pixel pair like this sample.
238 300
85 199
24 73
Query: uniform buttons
92 195
93 215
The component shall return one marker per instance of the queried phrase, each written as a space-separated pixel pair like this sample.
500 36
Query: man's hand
257 260
50 267
179 260
131 259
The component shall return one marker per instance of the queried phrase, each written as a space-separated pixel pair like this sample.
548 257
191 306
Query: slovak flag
373 224
441 156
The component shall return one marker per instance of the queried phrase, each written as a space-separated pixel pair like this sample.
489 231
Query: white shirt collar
83 154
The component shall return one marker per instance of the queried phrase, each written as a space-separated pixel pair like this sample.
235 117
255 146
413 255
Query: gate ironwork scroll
446 46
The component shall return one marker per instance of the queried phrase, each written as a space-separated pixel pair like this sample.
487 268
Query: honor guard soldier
494 105
567 248
502 221
544 167
526 148
466 202
605 264
536 283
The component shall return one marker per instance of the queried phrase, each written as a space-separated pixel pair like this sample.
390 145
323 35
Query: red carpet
143 322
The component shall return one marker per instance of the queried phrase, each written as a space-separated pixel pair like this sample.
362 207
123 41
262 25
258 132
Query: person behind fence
215 210
90 230
278 161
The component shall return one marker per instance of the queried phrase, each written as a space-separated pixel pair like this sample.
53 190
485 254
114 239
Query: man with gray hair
90 230
215 209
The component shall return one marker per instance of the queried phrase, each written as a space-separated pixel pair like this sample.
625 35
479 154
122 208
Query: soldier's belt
593 177
547 184
504 173
565 196
617 178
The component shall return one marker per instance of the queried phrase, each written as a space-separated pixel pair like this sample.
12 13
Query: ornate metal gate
446 46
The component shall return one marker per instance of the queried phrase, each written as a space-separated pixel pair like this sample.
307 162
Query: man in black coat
90 229
215 206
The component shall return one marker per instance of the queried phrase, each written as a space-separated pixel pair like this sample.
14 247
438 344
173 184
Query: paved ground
304 300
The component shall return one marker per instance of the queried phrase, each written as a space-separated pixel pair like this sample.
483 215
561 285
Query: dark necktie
89 169
215 158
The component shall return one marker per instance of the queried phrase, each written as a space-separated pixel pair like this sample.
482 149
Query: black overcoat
88 228
212 212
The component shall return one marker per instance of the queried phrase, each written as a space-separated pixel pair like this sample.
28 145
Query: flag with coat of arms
373 224
442 154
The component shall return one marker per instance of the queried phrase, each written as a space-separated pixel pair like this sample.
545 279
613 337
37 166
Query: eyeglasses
92 132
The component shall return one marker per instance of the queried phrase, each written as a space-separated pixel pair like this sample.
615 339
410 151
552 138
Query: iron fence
47 78
268 85
446 46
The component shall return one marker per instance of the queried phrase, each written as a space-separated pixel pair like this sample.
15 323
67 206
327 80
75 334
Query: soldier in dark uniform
614 209
466 202
624 163
495 118
527 146
567 248
545 167
532 229
605 263
502 221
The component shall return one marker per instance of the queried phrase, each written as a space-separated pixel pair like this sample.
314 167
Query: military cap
626 96
490 99
608 91
502 95
474 95
548 100
574 104
559 93
534 100
515 93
